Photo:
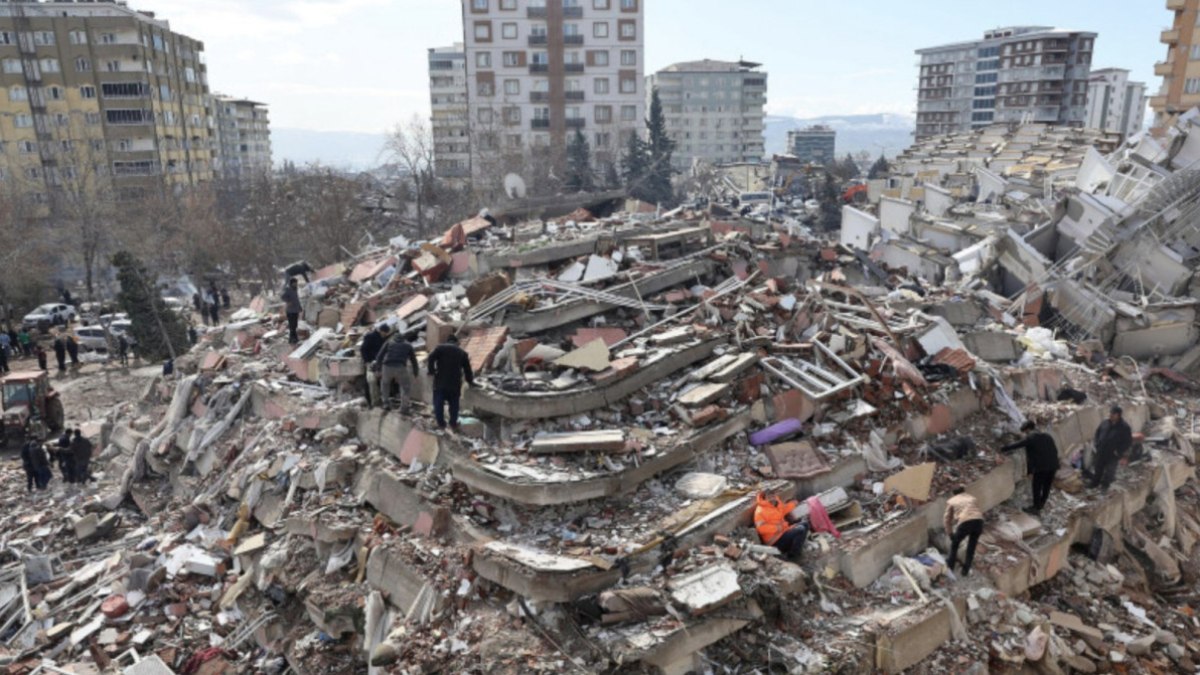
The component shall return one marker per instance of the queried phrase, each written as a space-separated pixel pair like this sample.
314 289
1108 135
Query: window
112 66
512 87
628 113
629 57
87 91
572 57
27 147
603 139
542 113
598 58
43 37
600 29
108 38
508 31
512 115
487 89
6 38
77 37
18 93
538 31
541 58
570 29
12 65
628 29
33 173
1195 53
54 93
600 86
128 116
628 85
512 59
1190 86
484 115
483 31
62 120
66 146
629 5
508 4
601 4
49 65
164 92
479 5
92 118
22 120
82 65
603 114
123 89
483 59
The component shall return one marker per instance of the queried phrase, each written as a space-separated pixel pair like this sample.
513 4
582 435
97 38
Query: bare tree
410 146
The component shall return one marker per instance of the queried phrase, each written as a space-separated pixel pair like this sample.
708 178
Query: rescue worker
36 465
66 461
448 364
963 520
771 521
1041 462
1113 439
81 451
372 344
60 353
72 350
391 360
292 307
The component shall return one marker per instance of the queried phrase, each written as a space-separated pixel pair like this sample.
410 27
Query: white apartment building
713 109
448 121
243 138
537 70
1115 103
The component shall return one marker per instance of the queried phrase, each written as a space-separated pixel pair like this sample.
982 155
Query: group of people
16 344
963 517
72 452
391 364
209 302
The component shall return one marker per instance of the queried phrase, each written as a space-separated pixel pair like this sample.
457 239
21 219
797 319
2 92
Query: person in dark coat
197 302
40 353
123 349
225 297
292 307
448 365
392 359
36 465
299 269
1113 439
1041 461
372 343
214 310
60 353
72 350
81 451
66 461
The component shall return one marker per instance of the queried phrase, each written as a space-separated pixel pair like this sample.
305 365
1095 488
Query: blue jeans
441 397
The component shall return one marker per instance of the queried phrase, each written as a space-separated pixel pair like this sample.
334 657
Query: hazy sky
360 65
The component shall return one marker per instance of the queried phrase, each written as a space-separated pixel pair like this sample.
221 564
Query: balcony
575 122
539 96
1163 68
1176 5
573 67
537 40
573 40
539 67
535 12
1158 102
572 12
574 95
539 123
1169 36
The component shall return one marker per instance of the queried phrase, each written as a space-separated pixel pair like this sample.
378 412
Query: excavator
856 193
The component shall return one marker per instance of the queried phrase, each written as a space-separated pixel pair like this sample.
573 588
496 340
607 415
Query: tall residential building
713 109
1014 74
96 92
1115 103
813 145
448 102
243 138
1180 90
537 70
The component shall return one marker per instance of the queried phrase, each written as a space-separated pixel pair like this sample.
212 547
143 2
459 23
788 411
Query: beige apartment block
243 138
1180 72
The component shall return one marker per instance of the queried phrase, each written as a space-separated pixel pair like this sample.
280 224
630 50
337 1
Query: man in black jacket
372 343
448 365
36 465
292 308
395 355
1041 460
1113 440
81 450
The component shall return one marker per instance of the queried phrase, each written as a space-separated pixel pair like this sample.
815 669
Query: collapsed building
640 378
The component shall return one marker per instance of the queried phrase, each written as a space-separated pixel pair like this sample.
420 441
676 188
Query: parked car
91 338
49 315
178 305
120 327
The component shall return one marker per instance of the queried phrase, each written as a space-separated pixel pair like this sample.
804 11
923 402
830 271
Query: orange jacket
770 518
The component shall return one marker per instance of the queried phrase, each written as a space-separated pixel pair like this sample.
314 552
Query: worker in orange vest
771 520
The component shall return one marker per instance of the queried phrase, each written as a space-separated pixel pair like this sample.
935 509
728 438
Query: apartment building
243 147
538 70
1013 74
813 145
1180 72
1115 103
713 110
448 121
97 92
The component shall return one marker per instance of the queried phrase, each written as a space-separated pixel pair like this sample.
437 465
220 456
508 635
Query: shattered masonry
640 377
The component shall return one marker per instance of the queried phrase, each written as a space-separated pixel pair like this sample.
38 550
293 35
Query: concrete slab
603 440
703 394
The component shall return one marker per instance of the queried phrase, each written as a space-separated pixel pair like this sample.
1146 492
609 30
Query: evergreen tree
831 203
633 168
880 168
659 149
612 180
579 165
158 331
848 168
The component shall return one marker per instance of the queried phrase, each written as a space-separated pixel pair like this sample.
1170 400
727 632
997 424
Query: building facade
1115 103
538 70
1014 74
448 105
96 93
713 109
813 145
1180 72
243 138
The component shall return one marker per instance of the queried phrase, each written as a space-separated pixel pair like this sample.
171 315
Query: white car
52 314
91 338
120 327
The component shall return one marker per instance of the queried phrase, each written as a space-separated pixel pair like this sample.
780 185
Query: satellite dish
514 186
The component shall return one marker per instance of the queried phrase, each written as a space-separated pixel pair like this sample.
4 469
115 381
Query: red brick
616 370
411 306
940 419
708 415
432 523
749 388
585 336
483 344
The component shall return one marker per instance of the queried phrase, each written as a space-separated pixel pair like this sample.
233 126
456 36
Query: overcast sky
360 65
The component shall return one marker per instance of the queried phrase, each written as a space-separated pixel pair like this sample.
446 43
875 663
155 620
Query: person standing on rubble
299 269
72 350
448 365
60 353
771 520
81 451
66 461
122 349
397 353
372 344
36 465
963 520
292 307
1113 440
40 352
1041 461
25 341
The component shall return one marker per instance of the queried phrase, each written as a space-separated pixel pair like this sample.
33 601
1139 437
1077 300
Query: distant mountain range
360 151
873 133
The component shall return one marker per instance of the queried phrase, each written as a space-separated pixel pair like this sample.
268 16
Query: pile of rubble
640 377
